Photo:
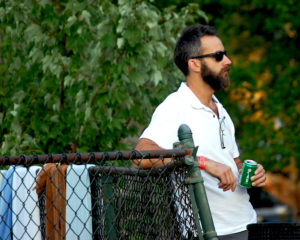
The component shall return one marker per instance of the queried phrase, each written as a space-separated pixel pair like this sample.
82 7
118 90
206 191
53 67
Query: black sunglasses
217 55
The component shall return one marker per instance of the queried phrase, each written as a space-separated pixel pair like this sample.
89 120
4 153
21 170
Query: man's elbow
142 163
145 144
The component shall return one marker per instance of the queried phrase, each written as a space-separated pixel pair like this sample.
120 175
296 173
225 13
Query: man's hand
259 178
223 173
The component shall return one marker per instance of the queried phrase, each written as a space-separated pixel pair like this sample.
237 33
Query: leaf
43 3
203 15
88 113
71 20
79 97
33 32
2 13
85 16
36 54
68 81
156 76
120 43
54 118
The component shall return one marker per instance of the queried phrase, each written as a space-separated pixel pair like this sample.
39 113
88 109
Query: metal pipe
92 157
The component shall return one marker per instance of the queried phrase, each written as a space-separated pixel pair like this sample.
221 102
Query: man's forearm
239 164
222 172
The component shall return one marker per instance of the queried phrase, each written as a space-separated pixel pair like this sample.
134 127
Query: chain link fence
96 196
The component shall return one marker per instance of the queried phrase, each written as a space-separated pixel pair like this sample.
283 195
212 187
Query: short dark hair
189 44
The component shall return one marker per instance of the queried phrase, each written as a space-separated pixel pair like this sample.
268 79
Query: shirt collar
191 98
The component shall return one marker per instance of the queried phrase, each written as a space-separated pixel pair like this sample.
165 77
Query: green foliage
83 75
86 75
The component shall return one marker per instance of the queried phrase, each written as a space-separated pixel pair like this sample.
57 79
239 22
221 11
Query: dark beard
215 81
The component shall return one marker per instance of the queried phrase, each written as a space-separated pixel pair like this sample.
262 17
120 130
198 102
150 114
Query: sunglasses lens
219 56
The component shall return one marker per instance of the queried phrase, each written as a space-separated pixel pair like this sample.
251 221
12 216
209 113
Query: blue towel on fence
79 203
26 212
6 204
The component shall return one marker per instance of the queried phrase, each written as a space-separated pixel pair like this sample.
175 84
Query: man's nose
227 61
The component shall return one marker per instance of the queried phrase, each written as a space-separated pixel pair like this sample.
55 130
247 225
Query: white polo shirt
215 136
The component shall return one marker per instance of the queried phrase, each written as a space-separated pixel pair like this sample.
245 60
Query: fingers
223 173
226 187
227 180
259 178
260 169
234 186
260 182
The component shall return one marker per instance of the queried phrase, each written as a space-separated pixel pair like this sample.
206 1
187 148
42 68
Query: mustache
226 69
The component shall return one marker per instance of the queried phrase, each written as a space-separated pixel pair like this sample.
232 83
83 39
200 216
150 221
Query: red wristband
201 161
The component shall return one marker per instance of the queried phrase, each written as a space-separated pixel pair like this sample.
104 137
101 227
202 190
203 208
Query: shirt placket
220 121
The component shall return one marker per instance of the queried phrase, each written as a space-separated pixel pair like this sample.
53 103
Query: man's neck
202 90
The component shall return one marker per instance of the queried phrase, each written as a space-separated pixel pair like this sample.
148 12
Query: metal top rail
91 157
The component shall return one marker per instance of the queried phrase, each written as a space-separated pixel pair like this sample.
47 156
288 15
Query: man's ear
194 65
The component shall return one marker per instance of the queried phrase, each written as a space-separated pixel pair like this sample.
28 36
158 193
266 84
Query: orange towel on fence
52 181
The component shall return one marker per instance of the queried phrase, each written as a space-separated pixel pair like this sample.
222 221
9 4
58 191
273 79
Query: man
200 55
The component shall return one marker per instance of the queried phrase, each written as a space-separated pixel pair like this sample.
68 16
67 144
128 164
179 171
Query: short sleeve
164 125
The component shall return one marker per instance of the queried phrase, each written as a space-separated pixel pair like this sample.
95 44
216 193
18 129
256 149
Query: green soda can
248 170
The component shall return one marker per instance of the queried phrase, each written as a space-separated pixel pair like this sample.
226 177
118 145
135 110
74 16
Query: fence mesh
95 196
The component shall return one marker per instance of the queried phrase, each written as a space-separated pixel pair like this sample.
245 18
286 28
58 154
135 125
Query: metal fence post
194 178
110 218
